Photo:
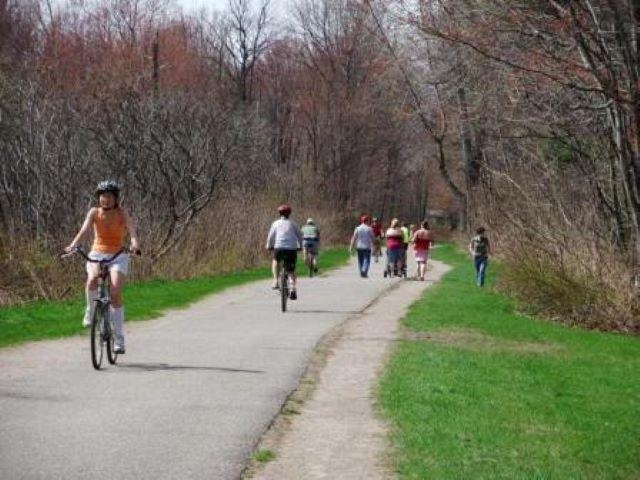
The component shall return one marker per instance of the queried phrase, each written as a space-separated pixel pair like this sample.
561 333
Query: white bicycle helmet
110 186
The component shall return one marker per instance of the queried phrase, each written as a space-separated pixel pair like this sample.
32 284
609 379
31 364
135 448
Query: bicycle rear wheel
310 258
96 336
110 337
284 289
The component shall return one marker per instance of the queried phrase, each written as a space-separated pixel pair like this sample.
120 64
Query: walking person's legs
482 270
481 266
366 262
421 258
397 261
360 260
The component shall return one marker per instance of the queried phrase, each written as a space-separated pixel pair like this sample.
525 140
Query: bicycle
284 288
310 260
286 293
102 326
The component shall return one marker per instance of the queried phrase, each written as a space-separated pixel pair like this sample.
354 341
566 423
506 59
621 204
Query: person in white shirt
285 239
363 239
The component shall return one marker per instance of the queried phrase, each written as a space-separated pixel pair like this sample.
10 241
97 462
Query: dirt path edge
334 403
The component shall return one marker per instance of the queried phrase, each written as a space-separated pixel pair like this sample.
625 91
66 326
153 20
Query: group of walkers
368 237
111 223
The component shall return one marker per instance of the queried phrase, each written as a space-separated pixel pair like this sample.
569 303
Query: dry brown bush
229 236
587 285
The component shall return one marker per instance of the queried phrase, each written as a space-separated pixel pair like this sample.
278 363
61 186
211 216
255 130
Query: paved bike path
190 398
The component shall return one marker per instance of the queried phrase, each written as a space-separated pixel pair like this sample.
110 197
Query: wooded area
520 115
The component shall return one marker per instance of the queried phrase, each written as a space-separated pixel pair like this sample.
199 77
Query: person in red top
422 240
377 227
377 237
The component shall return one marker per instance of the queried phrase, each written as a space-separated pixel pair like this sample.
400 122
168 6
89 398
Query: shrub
573 286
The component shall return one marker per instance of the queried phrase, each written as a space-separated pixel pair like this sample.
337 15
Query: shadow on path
164 367
348 312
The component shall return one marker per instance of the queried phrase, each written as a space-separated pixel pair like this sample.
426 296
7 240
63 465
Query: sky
195 5
190 6
221 5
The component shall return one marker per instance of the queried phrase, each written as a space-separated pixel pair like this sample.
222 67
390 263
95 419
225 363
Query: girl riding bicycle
110 224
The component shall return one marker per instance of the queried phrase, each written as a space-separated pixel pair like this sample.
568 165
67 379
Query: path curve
337 434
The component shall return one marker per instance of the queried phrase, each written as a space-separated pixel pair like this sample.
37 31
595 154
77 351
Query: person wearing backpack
480 249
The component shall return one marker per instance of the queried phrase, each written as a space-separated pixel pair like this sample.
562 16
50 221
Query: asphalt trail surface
189 400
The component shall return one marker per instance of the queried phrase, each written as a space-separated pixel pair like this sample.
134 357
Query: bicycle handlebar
106 260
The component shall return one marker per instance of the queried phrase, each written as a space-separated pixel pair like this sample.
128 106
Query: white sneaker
86 321
119 349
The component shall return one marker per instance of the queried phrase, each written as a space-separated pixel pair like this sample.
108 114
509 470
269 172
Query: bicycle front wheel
110 336
96 335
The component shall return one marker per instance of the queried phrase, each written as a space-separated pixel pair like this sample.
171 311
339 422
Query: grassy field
143 301
476 391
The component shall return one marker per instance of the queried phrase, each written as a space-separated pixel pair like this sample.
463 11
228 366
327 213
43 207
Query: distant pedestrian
377 233
394 248
480 249
406 238
422 240
363 239
311 243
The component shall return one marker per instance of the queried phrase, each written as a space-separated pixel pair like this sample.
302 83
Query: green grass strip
144 300
477 391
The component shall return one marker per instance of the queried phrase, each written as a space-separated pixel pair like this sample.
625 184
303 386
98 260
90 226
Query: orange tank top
109 229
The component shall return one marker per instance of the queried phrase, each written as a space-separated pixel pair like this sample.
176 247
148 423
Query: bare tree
245 39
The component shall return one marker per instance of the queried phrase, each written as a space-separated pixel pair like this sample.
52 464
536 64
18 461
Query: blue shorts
394 255
310 245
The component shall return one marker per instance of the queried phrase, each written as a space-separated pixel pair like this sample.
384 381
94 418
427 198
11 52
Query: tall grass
228 236
579 286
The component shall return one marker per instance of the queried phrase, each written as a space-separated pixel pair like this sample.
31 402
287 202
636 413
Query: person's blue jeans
364 260
481 267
